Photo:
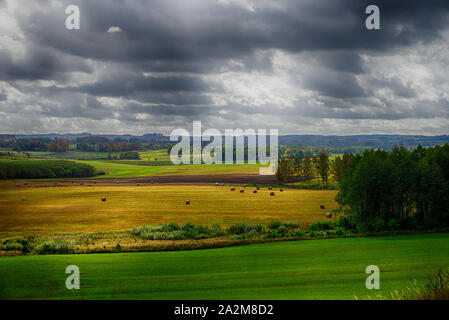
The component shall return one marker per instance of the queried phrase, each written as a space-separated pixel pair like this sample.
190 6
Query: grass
315 269
160 155
117 169
75 208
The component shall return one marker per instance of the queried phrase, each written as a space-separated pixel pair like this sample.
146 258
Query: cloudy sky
304 66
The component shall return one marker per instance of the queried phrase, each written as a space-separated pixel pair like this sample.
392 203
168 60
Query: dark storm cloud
129 86
38 64
333 84
159 63
189 32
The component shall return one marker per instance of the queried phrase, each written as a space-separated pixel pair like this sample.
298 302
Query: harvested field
44 207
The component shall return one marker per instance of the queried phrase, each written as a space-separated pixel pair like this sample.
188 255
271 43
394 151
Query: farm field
75 208
313 269
160 155
117 169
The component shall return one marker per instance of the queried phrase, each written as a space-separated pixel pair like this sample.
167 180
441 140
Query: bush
55 246
322 226
371 225
172 231
274 225
291 225
347 223
393 224
241 228
16 244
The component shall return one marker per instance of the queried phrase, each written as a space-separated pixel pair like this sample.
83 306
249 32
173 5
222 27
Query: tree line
318 167
42 169
398 189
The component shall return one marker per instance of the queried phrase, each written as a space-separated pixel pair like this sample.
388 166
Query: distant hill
151 137
372 141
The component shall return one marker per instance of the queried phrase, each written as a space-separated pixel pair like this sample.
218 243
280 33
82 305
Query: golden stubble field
74 208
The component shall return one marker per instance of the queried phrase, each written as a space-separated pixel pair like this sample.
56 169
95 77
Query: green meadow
312 269
118 169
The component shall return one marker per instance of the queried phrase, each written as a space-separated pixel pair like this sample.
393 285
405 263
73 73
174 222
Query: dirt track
184 179
213 178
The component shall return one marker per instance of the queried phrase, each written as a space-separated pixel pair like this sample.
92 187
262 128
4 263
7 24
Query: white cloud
114 29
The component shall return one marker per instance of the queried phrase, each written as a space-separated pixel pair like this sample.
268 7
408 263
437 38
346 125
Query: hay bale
258 188
216 184
254 191
272 194
222 184
242 191
138 184
117 182
270 188
188 202
18 185
232 189
281 190
322 207
328 215
103 199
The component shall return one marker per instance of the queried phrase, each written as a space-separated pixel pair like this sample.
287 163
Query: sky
302 67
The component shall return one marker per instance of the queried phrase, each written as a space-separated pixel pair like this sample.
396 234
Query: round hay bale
254 191
103 199
272 194
216 184
328 215
18 185
258 188
322 207
138 184
242 191
232 189
188 202
270 188
281 190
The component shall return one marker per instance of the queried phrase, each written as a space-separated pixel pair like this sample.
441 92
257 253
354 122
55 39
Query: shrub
322 226
241 228
18 244
437 287
296 233
394 224
274 225
374 224
291 225
172 231
346 222
55 246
